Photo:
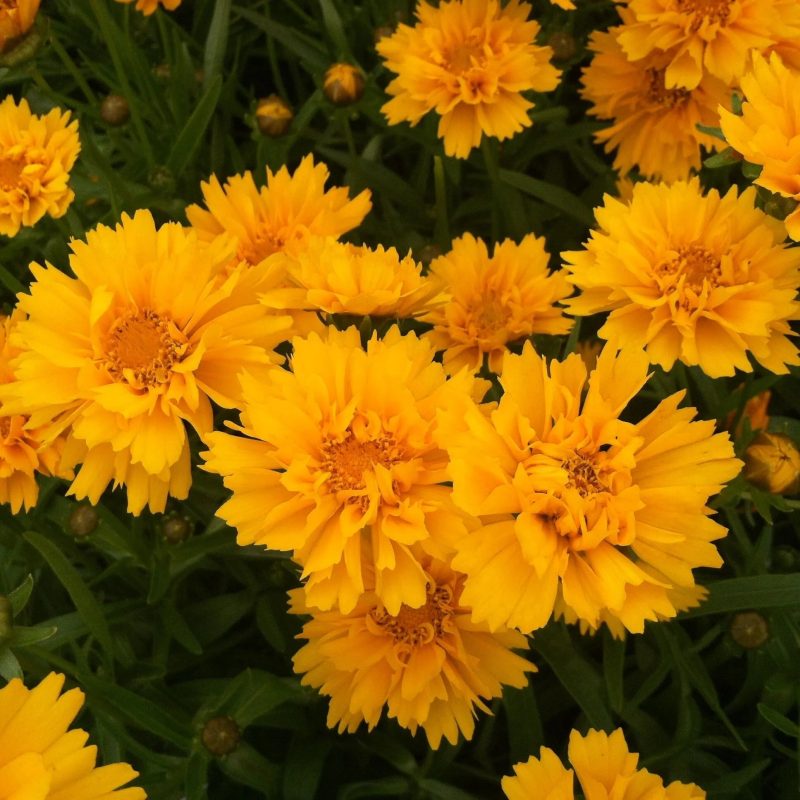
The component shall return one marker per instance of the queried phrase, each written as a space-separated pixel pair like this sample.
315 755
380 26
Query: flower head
280 216
652 128
698 278
609 517
40 758
699 36
341 278
16 19
768 132
23 450
149 331
492 301
605 768
148 7
343 84
36 156
469 61
430 666
772 462
342 466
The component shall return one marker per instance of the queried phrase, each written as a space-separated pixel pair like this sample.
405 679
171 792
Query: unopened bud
772 463
786 558
564 46
343 84
221 736
115 110
273 116
176 528
83 520
749 629
161 179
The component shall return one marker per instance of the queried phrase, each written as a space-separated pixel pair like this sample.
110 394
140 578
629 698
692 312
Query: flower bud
786 558
772 463
161 179
221 736
749 629
343 84
273 116
563 45
83 520
115 110
176 528
162 71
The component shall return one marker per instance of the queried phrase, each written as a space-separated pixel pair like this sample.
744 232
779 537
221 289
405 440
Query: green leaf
196 779
85 603
254 693
613 668
445 791
382 787
22 636
754 592
247 766
576 674
734 782
19 596
302 768
711 131
9 666
725 158
305 48
751 171
333 24
525 730
552 195
778 720
191 136
216 43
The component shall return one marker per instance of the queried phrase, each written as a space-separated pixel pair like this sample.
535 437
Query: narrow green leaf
10 281
525 731
333 24
9 666
751 171
305 48
191 136
216 42
613 670
85 603
254 693
734 782
575 673
22 636
727 157
778 720
711 131
754 592
196 780
552 195
302 768
19 596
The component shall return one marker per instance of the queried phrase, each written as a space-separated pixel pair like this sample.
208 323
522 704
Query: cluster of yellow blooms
403 495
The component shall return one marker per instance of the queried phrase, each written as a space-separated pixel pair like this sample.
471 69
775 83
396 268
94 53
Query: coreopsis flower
768 132
469 61
652 128
16 19
698 278
772 462
341 278
492 301
341 466
23 450
42 759
36 156
148 333
280 216
605 768
148 7
699 36
609 516
343 84
430 666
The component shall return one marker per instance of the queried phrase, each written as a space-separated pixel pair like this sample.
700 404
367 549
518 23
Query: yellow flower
772 462
36 156
491 301
344 278
343 468
567 5
605 768
431 667
653 128
281 215
469 61
768 132
148 7
714 36
343 84
609 516
148 333
41 759
23 451
698 278
16 19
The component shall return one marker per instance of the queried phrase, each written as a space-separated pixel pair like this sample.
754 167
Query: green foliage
164 636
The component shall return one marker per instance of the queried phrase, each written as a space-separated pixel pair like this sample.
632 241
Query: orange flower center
417 626
347 460
465 55
693 268
711 10
10 172
583 475
490 317
657 93
142 348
